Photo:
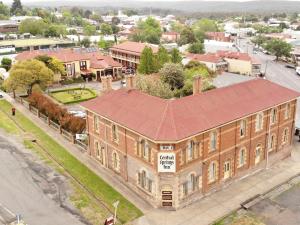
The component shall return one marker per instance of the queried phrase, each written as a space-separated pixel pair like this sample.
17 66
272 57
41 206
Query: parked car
298 70
290 66
1 96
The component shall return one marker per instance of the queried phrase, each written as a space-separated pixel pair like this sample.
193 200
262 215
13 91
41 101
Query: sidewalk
203 212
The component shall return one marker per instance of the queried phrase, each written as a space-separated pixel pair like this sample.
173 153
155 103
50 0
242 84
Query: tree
4 11
85 42
106 29
147 31
177 27
202 26
175 56
147 62
173 75
16 7
33 26
26 74
153 86
259 40
115 29
52 63
105 44
162 57
96 17
55 30
278 47
6 63
196 48
115 20
87 13
89 30
187 36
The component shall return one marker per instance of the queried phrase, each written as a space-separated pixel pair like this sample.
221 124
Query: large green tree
6 63
4 11
85 42
55 30
278 48
147 62
175 56
24 75
106 29
173 75
52 63
196 48
16 7
33 26
202 26
162 57
187 36
89 30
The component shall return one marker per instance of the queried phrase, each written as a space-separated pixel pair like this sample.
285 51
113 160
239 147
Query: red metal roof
70 55
174 120
131 47
208 57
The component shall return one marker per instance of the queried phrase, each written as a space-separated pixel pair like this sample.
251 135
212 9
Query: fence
67 135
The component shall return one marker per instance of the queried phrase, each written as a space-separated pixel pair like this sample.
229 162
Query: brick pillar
197 85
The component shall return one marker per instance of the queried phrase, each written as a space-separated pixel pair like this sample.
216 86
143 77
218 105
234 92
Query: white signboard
166 162
166 147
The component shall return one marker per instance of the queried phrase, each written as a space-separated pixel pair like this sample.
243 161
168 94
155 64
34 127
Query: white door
227 169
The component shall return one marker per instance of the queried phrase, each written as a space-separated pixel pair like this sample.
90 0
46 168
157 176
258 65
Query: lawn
73 95
242 218
126 210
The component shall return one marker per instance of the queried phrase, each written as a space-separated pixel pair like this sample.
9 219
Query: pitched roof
173 120
134 48
69 55
208 57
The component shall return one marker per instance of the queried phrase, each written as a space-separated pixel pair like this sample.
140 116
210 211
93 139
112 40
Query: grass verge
126 210
73 95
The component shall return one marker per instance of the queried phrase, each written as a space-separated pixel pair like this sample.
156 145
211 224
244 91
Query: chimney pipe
106 83
197 85
130 81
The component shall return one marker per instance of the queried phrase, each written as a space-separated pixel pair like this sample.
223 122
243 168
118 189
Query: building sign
166 147
166 162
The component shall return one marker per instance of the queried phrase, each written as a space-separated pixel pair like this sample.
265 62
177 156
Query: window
287 111
83 65
194 182
272 141
212 171
185 189
213 140
190 150
115 161
259 121
115 136
96 124
145 150
243 125
258 152
273 115
227 169
285 136
144 182
242 157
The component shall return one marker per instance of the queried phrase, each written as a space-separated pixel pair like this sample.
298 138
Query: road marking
6 216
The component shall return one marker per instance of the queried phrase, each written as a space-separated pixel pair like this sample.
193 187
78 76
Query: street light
115 204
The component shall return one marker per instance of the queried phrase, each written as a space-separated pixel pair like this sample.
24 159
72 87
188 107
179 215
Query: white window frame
259 121
114 132
272 142
190 150
213 140
243 128
287 111
213 166
285 136
227 171
273 115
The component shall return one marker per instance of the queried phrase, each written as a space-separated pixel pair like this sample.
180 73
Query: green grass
126 210
73 95
8 125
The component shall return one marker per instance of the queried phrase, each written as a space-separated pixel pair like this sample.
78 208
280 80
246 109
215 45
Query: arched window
258 153
259 121
99 151
190 150
213 140
212 175
96 124
144 181
287 111
145 149
273 115
285 137
272 142
115 161
243 126
242 157
114 130
194 182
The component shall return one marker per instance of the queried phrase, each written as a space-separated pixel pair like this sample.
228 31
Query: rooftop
131 47
34 42
164 120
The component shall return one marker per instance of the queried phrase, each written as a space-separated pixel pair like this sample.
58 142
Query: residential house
8 26
170 36
88 63
213 61
128 53
173 152
219 36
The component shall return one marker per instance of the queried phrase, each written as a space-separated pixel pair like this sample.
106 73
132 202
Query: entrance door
167 196
227 169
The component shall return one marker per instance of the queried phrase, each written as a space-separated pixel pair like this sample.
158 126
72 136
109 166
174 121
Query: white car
298 70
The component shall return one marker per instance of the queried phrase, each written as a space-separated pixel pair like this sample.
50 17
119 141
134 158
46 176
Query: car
298 70
1 96
290 66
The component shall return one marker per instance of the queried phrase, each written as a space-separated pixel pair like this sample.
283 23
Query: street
31 189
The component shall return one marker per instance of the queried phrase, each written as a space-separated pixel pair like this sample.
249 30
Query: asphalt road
275 71
31 189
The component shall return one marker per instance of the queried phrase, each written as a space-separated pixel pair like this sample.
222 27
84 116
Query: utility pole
115 204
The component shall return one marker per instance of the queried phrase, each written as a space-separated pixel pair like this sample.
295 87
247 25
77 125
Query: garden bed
73 95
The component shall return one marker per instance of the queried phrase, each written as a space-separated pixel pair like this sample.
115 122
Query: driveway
31 189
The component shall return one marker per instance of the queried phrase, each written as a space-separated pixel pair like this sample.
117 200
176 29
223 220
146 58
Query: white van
298 70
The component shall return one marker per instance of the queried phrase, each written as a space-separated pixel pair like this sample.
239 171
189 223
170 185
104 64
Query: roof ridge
163 119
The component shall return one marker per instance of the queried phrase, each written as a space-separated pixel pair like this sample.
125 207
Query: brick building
173 152
128 53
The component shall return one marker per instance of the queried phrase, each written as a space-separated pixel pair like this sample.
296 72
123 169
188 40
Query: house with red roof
172 152
85 62
128 53
219 36
170 36
234 62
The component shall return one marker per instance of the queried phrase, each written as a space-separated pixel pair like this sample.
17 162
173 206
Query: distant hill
187 6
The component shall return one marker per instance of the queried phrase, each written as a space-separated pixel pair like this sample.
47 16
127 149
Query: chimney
197 85
130 81
106 83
